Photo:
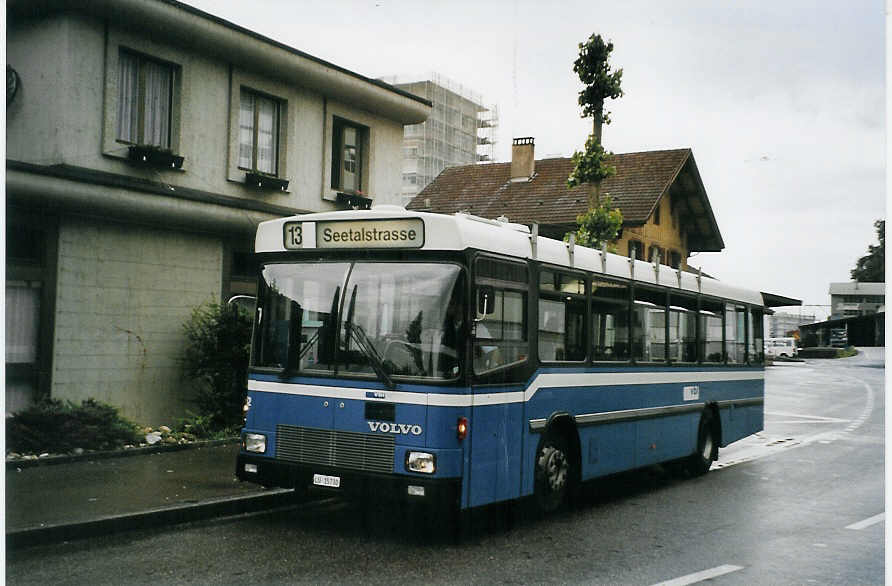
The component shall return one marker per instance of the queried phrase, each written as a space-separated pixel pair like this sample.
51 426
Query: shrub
53 426
216 357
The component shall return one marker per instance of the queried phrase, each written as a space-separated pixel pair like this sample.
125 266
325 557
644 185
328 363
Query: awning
772 300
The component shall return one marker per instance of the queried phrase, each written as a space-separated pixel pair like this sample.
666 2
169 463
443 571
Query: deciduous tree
599 223
871 268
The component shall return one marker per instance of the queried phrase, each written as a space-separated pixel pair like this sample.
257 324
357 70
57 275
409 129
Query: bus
461 361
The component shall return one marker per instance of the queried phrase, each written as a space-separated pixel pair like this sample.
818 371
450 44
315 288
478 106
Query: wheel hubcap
554 463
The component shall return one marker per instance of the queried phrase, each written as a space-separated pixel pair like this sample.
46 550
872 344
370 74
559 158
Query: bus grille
343 449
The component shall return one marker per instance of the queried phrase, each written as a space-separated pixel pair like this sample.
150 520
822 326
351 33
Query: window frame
626 310
140 99
116 43
636 289
567 298
338 125
500 284
277 133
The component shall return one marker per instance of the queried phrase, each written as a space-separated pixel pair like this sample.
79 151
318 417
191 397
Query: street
800 503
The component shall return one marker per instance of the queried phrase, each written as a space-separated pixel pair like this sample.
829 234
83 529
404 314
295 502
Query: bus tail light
462 428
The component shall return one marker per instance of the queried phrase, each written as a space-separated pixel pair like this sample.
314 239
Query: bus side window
710 337
649 325
682 328
561 317
735 333
610 321
756 353
500 337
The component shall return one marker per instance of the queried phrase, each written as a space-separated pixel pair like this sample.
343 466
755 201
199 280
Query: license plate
329 481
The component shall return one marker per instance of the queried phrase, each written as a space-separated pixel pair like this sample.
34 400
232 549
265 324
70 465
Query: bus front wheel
554 472
707 446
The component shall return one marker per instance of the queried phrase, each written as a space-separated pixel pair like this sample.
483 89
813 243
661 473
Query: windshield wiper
356 332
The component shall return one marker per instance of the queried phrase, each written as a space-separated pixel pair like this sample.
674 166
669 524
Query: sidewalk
77 499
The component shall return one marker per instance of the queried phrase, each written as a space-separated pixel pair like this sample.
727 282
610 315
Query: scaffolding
459 131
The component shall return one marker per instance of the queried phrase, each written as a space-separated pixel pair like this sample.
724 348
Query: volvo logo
394 428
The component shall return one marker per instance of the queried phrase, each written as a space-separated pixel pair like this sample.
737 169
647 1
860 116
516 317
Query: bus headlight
255 442
421 462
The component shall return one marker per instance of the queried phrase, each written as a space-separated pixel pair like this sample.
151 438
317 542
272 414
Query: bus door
500 362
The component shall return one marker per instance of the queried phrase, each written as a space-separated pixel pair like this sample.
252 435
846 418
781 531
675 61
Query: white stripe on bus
542 381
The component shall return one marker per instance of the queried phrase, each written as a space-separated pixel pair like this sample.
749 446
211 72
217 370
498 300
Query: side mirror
485 300
245 303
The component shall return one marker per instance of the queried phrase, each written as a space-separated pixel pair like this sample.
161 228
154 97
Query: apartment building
145 141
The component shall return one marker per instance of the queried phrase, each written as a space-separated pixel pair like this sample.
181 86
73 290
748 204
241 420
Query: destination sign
400 233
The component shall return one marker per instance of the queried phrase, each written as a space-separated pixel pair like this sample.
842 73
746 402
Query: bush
216 357
53 426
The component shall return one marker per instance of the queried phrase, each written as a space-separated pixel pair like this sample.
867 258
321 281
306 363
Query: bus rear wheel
554 472
707 447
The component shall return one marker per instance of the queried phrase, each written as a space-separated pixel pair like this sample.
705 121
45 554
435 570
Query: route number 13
294 237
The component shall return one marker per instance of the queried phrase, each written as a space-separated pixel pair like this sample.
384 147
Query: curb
70 458
166 516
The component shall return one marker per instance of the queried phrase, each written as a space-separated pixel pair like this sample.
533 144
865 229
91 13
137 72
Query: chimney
523 161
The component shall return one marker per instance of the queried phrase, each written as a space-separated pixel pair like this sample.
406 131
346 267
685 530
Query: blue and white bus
431 357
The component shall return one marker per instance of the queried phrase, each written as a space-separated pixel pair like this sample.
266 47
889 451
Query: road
800 503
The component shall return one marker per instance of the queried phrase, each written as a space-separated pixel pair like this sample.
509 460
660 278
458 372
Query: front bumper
354 484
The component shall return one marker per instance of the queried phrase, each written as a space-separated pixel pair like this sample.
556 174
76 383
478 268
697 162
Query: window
258 140
361 319
682 328
501 316
756 352
145 100
347 156
610 321
675 259
649 325
561 317
711 331
657 214
656 253
636 250
735 341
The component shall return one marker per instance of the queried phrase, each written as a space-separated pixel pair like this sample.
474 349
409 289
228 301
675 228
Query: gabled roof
640 181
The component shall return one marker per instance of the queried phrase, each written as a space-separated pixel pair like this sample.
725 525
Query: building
459 131
145 142
780 325
665 207
854 298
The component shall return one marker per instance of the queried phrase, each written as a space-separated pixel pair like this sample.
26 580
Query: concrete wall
123 295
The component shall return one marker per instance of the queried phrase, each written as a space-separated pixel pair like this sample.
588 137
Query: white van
780 347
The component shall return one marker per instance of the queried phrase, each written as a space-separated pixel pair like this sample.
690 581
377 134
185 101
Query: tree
871 268
589 166
599 224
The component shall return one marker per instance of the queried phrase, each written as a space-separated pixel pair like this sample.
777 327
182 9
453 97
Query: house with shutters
145 141
665 208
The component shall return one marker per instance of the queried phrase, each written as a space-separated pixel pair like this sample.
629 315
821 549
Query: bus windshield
363 318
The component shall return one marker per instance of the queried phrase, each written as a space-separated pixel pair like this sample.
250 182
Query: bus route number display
294 235
396 233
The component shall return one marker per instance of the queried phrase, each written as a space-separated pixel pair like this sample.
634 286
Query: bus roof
393 227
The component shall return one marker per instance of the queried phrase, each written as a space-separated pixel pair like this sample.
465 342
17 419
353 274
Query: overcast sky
782 102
